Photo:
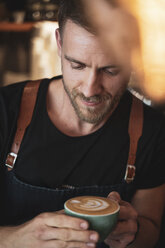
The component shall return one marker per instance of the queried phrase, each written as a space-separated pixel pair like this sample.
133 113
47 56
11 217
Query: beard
96 114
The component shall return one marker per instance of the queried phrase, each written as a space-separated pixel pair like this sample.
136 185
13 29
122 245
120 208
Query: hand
126 228
49 230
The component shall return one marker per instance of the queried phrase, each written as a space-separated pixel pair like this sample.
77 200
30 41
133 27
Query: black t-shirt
49 158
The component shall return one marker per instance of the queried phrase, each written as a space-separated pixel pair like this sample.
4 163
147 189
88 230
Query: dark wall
20 4
16 4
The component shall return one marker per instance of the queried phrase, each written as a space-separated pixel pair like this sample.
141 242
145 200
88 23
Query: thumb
60 211
114 196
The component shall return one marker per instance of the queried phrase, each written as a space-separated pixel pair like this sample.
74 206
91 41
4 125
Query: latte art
92 205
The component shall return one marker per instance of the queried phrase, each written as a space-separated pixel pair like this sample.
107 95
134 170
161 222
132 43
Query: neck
62 113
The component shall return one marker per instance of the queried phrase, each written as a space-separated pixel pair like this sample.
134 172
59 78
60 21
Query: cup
101 213
19 16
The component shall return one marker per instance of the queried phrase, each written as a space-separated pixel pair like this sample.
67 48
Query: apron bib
21 202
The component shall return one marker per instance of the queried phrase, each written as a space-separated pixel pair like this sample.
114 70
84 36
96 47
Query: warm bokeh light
151 18
150 58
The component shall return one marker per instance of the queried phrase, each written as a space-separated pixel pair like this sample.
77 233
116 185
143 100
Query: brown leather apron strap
135 132
28 101
25 115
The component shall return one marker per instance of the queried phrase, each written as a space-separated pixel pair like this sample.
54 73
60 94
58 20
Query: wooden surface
16 27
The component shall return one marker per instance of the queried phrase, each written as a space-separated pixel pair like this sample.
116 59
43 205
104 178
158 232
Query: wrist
138 227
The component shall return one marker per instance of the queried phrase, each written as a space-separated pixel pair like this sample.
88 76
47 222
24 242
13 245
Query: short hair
73 10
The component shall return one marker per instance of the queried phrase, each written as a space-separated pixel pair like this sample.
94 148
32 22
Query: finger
62 211
63 221
68 235
114 243
63 244
114 196
124 228
127 212
120 243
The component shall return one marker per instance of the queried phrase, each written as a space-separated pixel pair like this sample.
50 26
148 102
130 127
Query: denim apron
21 202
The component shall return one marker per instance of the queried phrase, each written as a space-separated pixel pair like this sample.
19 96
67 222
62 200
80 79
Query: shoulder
152 118
150 154
11 93
10 97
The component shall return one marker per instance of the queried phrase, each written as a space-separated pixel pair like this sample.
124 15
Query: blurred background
28 48
27 40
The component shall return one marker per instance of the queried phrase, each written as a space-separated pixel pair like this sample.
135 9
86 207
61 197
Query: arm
149 204
49 230
147 208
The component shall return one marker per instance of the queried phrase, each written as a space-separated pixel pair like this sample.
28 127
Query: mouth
90 103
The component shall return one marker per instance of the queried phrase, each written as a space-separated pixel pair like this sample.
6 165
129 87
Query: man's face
93 80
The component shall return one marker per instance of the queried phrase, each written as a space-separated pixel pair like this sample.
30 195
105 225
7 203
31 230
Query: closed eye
77 66
111 71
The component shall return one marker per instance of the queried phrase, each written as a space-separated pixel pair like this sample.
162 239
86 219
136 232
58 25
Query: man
77 143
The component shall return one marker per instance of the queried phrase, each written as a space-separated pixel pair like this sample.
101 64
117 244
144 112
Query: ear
59 42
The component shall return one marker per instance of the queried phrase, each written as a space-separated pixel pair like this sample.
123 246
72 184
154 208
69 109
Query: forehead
78 42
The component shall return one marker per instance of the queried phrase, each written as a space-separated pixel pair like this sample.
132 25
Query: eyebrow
81 63
73 60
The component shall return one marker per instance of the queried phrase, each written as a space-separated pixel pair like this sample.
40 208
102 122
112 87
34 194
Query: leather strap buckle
10 161
24 118
130 173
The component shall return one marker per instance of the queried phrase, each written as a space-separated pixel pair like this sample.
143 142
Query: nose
91 84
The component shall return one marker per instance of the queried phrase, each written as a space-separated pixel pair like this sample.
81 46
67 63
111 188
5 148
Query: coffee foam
92 205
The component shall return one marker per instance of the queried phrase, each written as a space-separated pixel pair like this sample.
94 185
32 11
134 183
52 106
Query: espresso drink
92 205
